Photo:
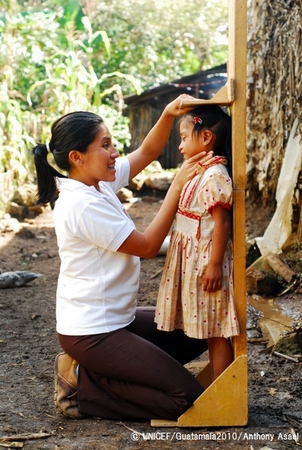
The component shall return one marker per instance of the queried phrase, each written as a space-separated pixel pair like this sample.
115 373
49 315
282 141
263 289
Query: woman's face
98 163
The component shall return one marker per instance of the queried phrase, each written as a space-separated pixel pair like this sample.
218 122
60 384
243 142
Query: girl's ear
208 137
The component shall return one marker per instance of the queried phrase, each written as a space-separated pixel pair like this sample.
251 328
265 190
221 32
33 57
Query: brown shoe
66 392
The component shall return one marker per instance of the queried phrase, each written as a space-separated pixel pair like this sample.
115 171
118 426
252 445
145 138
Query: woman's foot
66 392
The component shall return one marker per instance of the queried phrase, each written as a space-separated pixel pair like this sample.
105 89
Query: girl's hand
212 278
174 108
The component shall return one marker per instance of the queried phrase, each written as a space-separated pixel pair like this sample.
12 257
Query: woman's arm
147 244
212 277
157 137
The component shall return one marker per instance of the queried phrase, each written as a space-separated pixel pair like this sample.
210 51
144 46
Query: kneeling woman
116 364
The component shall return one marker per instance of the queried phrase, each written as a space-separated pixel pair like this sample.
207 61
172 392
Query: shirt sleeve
104 224
216 189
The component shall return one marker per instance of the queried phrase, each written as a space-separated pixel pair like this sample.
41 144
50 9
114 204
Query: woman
116 364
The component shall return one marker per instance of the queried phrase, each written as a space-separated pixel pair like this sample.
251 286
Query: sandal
66 392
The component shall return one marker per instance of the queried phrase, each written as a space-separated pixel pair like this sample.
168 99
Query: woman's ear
75 157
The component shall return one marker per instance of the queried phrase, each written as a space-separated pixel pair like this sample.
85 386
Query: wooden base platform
223 403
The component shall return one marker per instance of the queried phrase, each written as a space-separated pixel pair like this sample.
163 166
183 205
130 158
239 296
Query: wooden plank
225 96
237 70
239 342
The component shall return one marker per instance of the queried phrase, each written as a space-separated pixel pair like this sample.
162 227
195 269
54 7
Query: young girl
116 364
196 291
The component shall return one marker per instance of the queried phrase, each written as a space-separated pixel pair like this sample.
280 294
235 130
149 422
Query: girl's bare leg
221 355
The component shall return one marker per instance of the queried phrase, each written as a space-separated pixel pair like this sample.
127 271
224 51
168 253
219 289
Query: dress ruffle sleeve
215 189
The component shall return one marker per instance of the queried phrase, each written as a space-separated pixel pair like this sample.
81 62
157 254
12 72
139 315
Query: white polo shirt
97 286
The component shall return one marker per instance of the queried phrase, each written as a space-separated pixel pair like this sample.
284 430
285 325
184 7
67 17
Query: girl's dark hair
213 117
74 131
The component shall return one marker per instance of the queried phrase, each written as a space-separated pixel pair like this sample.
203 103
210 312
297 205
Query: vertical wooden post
237 71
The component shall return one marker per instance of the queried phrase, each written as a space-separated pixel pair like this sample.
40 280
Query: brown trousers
135 373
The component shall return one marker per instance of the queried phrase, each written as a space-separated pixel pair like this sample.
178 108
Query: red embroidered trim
190 187
215 160
188 214
188 192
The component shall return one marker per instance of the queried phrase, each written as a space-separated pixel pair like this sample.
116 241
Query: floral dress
182 303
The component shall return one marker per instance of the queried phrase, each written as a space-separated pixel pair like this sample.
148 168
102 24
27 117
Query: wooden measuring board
225 401
224 97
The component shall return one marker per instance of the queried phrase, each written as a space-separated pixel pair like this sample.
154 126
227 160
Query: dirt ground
28 345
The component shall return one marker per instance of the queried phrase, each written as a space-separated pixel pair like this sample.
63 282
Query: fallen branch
290 358
24 437
156 274
280 268
260 340
131 429
290 287
11 444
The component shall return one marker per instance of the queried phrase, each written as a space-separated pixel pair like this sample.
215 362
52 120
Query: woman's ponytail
47 186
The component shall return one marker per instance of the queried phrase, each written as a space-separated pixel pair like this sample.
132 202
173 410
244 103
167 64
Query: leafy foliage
161 41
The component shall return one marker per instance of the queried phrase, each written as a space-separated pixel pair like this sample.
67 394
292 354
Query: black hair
213 117
73 131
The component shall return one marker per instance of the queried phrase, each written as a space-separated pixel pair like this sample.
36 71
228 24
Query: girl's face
190 146
98 163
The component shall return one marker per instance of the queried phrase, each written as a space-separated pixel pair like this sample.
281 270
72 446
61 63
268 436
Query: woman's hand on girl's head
175 107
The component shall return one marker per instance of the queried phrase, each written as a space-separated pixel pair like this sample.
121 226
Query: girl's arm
212 277
157 137
147 244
